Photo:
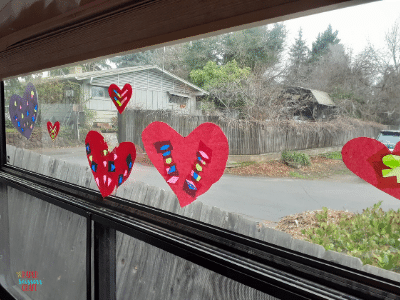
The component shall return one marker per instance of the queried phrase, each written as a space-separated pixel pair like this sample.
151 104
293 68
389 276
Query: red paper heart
119 97
191 164
364 157
53 129
110 169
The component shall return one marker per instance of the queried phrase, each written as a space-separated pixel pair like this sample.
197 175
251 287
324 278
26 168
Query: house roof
320 96
103 73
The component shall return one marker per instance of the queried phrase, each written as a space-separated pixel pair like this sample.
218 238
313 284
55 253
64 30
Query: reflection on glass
288 96
157 274
46 249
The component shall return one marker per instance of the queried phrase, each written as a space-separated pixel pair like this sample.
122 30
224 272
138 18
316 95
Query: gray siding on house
150 79
149 92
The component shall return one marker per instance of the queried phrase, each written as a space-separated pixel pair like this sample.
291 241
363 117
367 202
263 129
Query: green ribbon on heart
393 162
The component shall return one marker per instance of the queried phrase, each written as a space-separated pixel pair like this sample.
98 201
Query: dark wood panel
38 18
142 25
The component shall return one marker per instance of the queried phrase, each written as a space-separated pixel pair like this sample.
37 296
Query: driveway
264 198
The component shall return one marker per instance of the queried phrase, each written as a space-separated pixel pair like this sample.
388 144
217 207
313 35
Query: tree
172 59
198 53
97 65
322 43
223 82
134 59
392 39
257 48
298 53
213 75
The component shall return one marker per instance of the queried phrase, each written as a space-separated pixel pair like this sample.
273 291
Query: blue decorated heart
24 111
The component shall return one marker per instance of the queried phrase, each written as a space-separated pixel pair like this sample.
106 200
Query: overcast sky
356 25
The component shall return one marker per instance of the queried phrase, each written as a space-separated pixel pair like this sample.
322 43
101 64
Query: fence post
121 135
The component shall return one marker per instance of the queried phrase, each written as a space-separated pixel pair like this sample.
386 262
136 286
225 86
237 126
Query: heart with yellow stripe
373 162
119 97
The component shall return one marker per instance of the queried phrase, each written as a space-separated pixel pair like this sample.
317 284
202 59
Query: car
389 138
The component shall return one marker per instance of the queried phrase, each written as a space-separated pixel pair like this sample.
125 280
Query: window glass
146 265
43 249
98 91
287 96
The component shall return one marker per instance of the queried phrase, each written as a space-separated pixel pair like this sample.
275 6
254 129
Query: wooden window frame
272 269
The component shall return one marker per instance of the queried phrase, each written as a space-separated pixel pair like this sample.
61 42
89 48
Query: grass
297 175
11 130
373 236
245 164
332 155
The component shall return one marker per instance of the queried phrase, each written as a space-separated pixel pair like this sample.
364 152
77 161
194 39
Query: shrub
373 236
9 124
296 157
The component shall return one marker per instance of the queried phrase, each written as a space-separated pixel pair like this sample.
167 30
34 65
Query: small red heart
53 129
364 157
110 169
119 97
190 165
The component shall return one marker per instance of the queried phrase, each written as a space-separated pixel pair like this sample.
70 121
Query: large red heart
53 129
364 157
190 165
119 97
110 169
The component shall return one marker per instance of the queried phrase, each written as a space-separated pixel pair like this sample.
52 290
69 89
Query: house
306 103
152 89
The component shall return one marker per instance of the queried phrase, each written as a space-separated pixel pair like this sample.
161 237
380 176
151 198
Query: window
226 230
177 99
46 257
98 91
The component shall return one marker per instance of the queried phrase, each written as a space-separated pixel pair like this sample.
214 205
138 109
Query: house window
100 92
177 99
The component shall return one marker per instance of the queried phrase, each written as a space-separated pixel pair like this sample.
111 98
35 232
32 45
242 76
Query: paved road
264 198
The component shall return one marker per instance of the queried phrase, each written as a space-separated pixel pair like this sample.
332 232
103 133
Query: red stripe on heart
204 152
114 91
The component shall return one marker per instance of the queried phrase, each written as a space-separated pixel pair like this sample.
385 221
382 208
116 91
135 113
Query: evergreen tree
322 43
257 48
298 56
134 59
298 51
198 53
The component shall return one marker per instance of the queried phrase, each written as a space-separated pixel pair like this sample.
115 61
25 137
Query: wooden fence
247 138
143 271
